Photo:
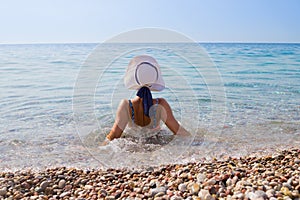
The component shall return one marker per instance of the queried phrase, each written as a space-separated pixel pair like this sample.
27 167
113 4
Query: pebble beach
49 145
275 176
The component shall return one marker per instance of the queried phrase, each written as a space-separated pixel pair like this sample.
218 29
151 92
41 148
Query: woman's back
137 116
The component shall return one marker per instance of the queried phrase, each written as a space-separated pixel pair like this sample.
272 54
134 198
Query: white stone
201 178
270 193
182 187
88 187
205 195
228 182
176 198
3 191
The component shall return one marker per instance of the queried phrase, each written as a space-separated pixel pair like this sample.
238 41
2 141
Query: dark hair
145 93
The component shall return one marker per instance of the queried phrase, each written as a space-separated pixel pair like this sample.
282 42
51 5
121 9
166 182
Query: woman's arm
170 121
120 121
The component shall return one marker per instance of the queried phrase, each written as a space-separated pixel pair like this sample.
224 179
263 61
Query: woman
142 112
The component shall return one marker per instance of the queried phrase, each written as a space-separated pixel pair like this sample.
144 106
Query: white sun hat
142 71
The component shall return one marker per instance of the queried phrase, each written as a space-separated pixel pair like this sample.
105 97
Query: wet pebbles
267 177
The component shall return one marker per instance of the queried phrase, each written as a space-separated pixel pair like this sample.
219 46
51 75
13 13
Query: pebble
229 182
176 198
286 191
25 185
88 187
160 194
269 177
270 193
195 188
64 194
3 191
38 189
273 183
62 184
240 195
44 185
260 194
295 193
287 185
184 176
110 198
204 194
201 178
182 187
155 191
210 182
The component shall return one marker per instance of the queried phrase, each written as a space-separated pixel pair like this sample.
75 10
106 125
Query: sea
58 102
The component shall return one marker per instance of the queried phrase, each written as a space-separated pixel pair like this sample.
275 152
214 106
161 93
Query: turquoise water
259 111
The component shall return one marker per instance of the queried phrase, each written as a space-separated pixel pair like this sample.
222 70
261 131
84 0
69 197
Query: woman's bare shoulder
163 101
123 103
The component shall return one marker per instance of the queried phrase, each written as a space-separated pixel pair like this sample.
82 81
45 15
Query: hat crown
142 71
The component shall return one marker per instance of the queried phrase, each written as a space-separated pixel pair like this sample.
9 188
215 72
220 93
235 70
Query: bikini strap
132 111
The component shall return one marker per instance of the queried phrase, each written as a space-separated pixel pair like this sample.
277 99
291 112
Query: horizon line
199 42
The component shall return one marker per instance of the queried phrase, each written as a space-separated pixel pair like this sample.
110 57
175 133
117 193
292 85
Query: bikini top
152 114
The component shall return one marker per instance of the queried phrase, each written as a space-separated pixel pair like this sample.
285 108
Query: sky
94 21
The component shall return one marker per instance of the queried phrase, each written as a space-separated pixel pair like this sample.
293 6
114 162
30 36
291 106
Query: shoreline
274 176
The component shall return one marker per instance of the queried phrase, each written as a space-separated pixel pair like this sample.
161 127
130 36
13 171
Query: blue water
44 124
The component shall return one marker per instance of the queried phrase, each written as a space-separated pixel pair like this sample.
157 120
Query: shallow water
44 124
